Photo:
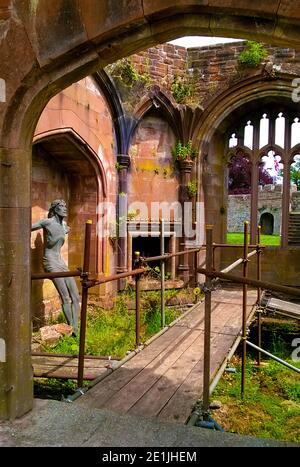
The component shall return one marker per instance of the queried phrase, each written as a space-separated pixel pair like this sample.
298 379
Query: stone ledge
53 423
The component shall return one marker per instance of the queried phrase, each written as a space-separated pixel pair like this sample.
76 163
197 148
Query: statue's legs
63 291
75 305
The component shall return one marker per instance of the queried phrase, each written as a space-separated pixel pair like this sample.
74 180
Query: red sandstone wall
162 62
152 176
209 70
83 109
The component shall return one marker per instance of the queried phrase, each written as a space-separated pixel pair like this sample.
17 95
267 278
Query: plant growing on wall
182 152
253 54
181 89
192 188
132 214
126 71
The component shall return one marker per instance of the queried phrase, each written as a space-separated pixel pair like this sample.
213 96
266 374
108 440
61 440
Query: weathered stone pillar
123 166
185 168
16 388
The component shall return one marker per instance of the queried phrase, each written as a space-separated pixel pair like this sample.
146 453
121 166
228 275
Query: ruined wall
281 266
208 71
295 201
163 63
238 211
65 169
269 201
152 175
216 67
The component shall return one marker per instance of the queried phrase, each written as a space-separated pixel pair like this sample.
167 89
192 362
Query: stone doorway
267 223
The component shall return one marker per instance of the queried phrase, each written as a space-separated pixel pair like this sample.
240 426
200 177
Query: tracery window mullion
286 182
254 181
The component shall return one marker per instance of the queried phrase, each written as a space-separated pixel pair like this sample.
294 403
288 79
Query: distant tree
239 176
264 178
295 174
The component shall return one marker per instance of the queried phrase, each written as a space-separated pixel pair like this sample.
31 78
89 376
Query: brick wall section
162 62
218 67
210 69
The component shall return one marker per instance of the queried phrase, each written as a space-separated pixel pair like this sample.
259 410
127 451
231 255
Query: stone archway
213 125
267 223
44 48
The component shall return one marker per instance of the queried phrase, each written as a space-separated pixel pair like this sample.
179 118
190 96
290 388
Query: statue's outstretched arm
38 225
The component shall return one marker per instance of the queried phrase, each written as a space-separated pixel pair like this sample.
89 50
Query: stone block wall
162 62
295 202
281 266
152 177
269 201
238 212
211 69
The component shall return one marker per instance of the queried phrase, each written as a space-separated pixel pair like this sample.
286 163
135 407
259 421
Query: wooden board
101 393
224 317
67 368
285 308
165 379
135 390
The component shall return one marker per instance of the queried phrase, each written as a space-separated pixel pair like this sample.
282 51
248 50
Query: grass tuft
237 238
271 404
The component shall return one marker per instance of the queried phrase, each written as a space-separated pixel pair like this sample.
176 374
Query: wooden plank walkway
164 380
282 307
66 367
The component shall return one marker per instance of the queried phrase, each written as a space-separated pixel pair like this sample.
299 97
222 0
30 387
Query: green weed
270 407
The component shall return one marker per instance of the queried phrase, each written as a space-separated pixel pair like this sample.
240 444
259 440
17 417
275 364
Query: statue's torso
54 235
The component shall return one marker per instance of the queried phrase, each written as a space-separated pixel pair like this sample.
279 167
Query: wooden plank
137 387
184 328
69 362
66 373
160 393
289 308
101 393
62 367
180 405
165 378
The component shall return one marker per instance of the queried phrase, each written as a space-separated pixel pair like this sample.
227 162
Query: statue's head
58 206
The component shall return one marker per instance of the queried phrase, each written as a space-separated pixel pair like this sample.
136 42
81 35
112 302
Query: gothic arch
57 44
75 139
271 147
158 100
226 107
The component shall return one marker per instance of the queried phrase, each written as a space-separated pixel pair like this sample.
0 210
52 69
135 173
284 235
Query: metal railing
211 275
